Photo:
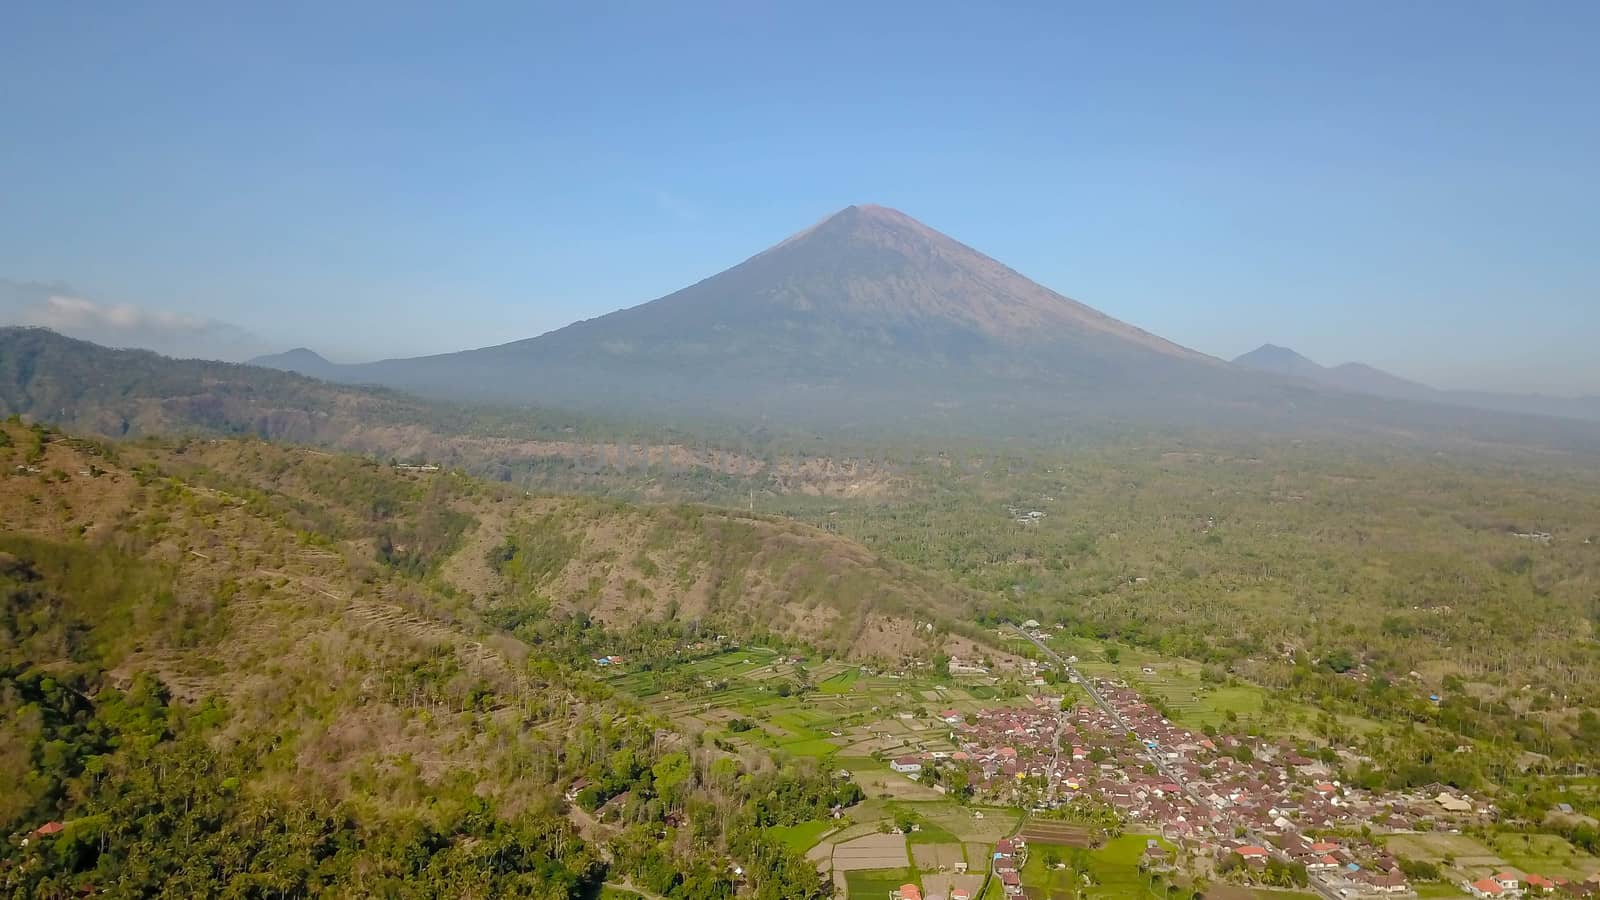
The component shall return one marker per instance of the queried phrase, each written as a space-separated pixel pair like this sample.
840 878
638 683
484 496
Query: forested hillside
1364 580
238 667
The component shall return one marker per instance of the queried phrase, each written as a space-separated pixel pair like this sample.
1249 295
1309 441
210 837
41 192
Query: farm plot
1062 833
839 682
875 851
1435 846
964 823
876 884
937 857
1546 854
801 837
1114 867
1470 857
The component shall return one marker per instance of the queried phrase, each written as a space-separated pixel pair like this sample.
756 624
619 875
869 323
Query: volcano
867 316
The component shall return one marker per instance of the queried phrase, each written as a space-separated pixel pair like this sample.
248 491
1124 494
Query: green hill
236 666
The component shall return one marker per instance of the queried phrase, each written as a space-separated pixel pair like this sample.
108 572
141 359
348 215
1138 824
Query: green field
840 683
1546 854
930 833
817 747
1192 701
1114 868
801 837
843 723
875 884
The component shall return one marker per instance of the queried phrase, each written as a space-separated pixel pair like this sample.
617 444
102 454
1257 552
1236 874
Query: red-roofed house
1487 887
1322 863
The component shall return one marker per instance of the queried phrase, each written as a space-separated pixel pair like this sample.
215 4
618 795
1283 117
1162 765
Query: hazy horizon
1405 188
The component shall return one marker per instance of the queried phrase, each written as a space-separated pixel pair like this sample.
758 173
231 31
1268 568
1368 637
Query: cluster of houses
1203 786
1193 788
1348 869
1009 855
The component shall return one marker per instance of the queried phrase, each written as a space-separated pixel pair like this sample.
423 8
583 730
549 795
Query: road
1172 772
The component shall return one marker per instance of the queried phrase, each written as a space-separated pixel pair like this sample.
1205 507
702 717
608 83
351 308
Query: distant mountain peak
1274 357
301 359
1355 377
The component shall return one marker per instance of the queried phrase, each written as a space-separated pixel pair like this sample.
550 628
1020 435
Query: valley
794 452
411 628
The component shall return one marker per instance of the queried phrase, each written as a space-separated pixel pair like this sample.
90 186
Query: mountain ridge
1362 378
300 360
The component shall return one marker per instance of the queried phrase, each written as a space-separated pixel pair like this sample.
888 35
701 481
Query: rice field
1114 869
851 720
804 836
876 884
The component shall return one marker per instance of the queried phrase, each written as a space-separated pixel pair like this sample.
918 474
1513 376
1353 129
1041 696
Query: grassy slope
291 624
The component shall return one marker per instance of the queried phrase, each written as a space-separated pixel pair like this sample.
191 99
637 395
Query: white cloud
77 313
60 309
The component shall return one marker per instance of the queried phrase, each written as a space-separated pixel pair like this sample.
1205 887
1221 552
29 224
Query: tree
671 771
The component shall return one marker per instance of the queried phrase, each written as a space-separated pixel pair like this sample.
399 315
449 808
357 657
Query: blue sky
1415 185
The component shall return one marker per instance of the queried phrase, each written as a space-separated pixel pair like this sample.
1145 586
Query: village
1231 805
986 780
